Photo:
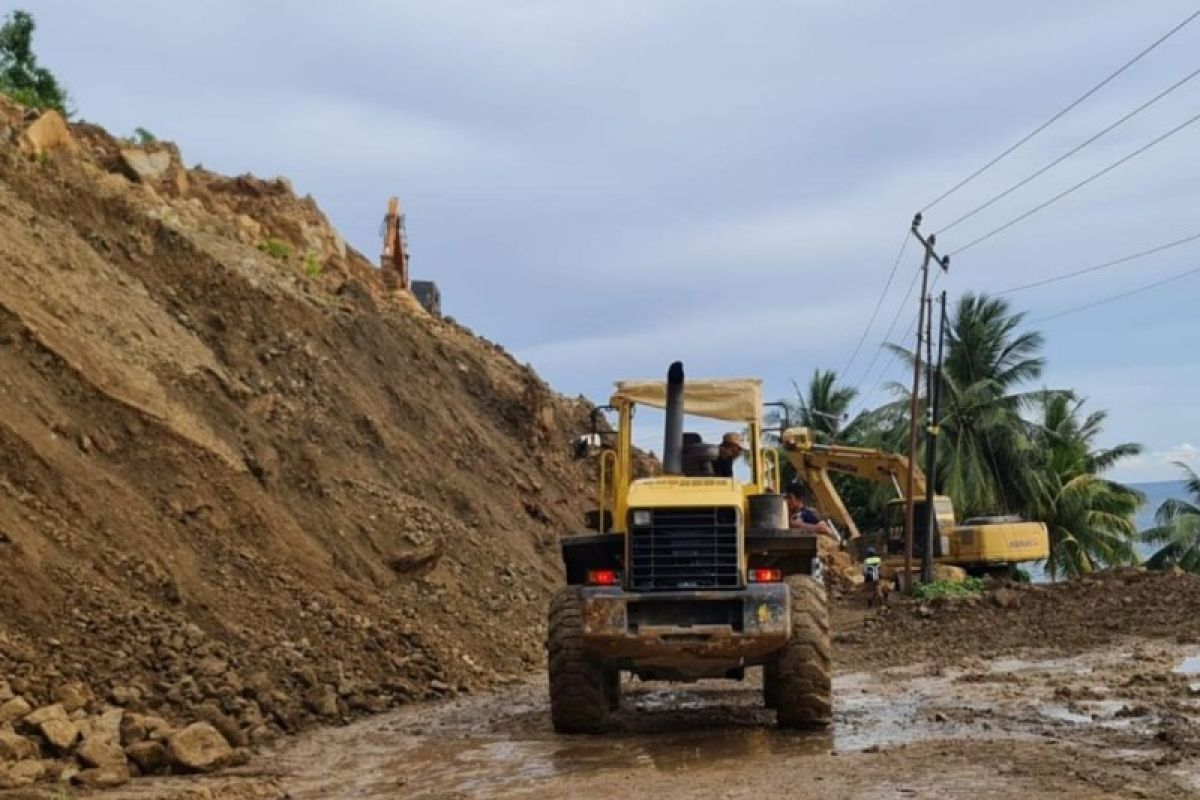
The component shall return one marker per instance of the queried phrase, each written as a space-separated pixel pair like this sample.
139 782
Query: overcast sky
606 186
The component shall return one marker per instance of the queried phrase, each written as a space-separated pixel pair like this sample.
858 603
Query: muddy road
1121 721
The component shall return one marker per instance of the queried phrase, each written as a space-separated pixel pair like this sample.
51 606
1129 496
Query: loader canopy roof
732 399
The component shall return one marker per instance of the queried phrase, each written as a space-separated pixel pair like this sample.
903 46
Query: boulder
59 733
36 718
21 774
1006 598
948 573
14 709
14 747
72 696
149 756
48 133
6 692
125 695
198 748
102 777
323 701
143 165
100 751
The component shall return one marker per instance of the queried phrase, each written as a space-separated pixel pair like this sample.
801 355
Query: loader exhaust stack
673 438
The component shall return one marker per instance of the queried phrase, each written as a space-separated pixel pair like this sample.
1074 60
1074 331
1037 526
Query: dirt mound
239 481
1089 613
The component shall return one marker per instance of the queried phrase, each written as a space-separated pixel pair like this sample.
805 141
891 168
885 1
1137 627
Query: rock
6 692
199 748
47 134
14 709
212 666
224 723
439 686
72 696
925 612
59 733
149 756
14 747
98 751
36 718
22 774
949 573
102 777
323 701
125 695
144 166
1006 598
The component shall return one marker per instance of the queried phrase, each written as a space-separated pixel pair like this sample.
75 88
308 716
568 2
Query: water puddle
1189 666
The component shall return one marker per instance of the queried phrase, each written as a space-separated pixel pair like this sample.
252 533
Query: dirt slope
244 485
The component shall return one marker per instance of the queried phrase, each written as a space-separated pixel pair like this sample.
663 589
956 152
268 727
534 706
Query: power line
1105 265
1119 296
1079 185
894 357
1060 114
878 305
899 312
1071 152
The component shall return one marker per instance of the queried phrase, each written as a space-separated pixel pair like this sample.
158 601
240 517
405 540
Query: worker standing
873 578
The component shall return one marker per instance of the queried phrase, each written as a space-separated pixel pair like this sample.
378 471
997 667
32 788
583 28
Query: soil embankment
240 482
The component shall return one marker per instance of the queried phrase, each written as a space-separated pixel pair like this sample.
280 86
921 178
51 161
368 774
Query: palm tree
1090 518
822 406
1177 528
983 446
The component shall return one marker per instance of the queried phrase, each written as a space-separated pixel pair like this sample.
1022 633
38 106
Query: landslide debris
1074 616
242 487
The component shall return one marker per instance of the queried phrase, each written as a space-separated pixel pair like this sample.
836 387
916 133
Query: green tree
1177 528
822 406
983 443
1090 518
20 76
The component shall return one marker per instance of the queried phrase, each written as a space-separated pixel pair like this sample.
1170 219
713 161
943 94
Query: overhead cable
1078 186
1105 265
1120 295
878 304
1061 113
1071 152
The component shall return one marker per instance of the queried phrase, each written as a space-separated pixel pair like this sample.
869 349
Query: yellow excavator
979 545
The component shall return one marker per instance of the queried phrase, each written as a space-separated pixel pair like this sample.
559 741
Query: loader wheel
770 687
802 687
580 695
613 689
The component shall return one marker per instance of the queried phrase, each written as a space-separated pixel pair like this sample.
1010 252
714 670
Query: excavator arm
814 463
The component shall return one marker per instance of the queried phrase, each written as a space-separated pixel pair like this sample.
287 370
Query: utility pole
909 501
930 521
931 440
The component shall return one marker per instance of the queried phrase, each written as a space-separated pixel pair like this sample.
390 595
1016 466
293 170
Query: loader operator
800 516
728 452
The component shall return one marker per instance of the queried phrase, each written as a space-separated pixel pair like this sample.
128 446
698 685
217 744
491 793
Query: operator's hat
734 439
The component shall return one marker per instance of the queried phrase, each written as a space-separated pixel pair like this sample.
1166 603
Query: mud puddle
501 744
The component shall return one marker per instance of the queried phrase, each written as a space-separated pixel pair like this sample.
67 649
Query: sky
607 187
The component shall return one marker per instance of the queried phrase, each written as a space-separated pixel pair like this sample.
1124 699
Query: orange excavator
979 544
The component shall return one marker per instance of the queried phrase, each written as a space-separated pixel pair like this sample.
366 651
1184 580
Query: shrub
142 137
276 249
971 587
20 76
312 267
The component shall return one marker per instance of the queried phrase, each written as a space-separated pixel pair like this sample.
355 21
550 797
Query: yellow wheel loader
979 545
688 575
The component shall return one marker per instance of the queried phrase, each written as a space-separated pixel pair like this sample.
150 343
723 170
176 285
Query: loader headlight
641 518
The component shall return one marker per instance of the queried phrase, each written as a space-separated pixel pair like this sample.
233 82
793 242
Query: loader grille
685 548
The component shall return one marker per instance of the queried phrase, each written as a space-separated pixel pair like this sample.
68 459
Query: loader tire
801 675
770 684
580 696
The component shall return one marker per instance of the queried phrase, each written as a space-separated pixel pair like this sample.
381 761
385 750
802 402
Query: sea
1155 494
